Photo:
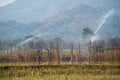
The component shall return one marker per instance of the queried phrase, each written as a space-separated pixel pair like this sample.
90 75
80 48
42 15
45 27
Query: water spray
29 40
104 18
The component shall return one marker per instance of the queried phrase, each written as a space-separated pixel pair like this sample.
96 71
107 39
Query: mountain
66 20
33 10
70 24
37 10
15 30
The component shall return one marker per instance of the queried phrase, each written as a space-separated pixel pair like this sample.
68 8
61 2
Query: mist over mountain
64 18
33 10
15 30
38 10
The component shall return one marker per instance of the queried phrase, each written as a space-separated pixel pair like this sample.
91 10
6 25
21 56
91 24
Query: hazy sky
5 2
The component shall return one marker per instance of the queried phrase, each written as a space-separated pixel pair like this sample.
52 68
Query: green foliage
87 32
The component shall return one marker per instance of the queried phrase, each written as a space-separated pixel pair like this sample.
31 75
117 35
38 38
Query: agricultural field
54 63
61 72
59 39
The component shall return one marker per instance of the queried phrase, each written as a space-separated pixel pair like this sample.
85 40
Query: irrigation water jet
104 18
29 40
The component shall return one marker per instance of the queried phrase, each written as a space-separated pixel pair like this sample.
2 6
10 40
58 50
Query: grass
64 77
46 63
60 72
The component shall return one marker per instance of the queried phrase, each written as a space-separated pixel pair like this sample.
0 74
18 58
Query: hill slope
67 24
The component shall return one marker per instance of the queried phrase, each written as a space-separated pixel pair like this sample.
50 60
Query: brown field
94 63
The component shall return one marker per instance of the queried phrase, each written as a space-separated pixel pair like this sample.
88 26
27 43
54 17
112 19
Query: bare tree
71 47
94 54
89 52
49 56
58 52
79 54
51 53
39 56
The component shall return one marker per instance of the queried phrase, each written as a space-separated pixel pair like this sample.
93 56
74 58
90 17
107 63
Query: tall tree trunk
58 52
71 47
51 53
89 52
79 54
